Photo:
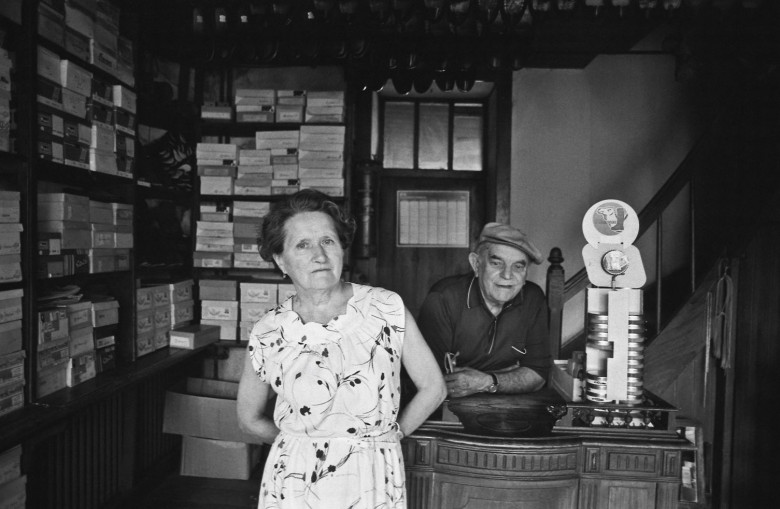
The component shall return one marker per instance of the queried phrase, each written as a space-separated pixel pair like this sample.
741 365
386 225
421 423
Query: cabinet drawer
475 460
619 461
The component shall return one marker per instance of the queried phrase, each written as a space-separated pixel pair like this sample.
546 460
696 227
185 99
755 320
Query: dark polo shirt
451 324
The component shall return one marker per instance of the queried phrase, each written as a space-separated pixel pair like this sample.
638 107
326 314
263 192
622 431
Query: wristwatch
494 386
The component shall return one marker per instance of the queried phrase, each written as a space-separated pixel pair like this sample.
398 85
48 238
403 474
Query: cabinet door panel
624 494
451 492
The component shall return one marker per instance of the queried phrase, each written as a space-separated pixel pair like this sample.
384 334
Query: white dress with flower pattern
338 387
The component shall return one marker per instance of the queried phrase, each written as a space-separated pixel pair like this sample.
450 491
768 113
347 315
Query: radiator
102 451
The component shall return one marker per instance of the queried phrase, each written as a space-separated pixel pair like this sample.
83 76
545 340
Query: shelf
162 273
236 197
7 22
156 191
51 409
11 162
234 129
82 278
79 177
171 116
255 275
13 285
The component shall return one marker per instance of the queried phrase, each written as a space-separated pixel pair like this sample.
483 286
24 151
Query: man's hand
466 381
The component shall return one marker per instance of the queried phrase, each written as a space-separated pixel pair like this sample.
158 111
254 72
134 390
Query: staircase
698 312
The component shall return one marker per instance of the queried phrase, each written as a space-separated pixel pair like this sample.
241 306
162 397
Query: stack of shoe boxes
53 351
322 159
77 117
219 305
11 352
78 235
256 300
81 365
10 237
6 120
159 309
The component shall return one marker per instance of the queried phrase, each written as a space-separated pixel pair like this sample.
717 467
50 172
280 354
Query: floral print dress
338 387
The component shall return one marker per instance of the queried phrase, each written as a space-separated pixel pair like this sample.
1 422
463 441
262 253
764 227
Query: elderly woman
332 353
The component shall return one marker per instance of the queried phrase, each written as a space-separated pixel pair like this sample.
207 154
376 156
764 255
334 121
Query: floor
185 492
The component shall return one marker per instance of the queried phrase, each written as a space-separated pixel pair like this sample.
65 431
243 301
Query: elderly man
488 329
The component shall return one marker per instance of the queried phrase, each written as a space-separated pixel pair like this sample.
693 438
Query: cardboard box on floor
222 459
205 408
204 412
228 369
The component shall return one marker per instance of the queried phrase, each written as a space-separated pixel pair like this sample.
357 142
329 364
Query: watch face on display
614 262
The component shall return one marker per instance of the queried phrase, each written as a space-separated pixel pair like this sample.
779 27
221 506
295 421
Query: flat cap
500 233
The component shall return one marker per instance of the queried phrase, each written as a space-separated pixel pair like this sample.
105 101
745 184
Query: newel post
555 290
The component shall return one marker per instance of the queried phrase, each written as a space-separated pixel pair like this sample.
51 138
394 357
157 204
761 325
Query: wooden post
555 287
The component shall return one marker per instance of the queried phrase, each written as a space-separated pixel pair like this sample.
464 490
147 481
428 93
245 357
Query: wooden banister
555 293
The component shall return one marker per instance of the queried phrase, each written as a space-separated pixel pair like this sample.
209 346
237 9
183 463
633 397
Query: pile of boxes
68 352
11 311
98 131
225 239
85 120
247 216
281 162
204 412
82 364
6 66
77 235
13 485
219 305
283 148
279 106
321 159
10 237
11 353
235 306
159 309
89 29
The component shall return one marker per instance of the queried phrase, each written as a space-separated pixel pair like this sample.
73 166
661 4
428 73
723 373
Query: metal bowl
509 415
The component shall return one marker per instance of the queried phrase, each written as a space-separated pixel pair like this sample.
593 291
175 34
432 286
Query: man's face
501 270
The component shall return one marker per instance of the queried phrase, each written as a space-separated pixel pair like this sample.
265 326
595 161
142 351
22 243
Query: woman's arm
426 375
253 396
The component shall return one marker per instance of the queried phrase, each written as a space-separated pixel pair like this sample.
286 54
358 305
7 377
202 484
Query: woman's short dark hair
271 238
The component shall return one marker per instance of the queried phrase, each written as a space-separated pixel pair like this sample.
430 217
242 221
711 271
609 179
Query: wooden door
410 271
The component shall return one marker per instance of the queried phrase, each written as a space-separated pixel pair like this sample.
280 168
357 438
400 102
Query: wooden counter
447 468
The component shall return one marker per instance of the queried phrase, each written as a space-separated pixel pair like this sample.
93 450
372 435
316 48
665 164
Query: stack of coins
598 344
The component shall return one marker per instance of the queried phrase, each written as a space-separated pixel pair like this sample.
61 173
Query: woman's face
312 255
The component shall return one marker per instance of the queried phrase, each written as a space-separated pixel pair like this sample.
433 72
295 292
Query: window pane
467 138
399 135
434 133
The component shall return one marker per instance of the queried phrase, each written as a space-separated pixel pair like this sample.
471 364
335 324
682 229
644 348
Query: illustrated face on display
312 255
501 270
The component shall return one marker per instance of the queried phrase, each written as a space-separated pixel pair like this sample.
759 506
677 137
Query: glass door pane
467 137
399 135
434 134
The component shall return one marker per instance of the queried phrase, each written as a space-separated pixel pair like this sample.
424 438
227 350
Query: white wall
616 129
